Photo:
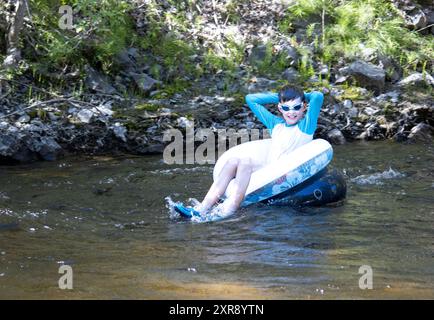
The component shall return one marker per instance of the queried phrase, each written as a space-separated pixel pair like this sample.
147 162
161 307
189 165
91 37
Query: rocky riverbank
97 127
366 97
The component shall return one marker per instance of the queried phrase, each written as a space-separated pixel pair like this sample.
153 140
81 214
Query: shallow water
108 219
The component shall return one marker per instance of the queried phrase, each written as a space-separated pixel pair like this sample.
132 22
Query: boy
295 129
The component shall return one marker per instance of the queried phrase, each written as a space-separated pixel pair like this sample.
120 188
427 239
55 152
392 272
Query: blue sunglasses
295 108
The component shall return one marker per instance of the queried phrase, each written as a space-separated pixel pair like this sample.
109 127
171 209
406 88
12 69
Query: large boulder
30 142
422 132
366 74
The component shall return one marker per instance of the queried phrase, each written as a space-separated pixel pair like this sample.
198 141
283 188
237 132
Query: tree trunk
15 25
3 28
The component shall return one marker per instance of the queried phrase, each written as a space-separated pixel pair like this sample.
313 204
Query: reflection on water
107 218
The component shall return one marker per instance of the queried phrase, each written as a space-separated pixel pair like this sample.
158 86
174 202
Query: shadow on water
107 218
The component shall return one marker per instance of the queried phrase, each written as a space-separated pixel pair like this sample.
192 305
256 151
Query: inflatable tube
281 175
324 188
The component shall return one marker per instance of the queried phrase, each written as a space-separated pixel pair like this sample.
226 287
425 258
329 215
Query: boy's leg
242 179
219 186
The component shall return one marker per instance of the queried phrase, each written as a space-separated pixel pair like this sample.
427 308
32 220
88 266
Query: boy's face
292 110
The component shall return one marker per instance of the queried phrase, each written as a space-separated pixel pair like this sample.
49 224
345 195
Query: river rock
335 109
416 20
393 69
257 54
32 142
366 74
393 96
335 136
145 83
260 84
85 115
291 53
370 111
417 79
323 70
104 110
24 118
422 132
96 81
46 147
9 143
291 75
120 131
127 59
430 20
352 112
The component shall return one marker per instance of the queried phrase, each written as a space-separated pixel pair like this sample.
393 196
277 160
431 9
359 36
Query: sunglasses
295 108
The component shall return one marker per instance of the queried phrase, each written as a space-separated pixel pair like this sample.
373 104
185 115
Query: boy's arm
256 102
309 123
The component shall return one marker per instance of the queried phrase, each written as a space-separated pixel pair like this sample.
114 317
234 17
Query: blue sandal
186 212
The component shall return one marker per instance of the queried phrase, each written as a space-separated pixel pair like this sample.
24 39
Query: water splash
170 205
377 178
216 213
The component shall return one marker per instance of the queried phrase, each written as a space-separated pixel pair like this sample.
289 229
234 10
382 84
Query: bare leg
242 179
219 186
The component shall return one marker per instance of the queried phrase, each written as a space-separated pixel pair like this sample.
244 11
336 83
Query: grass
352 25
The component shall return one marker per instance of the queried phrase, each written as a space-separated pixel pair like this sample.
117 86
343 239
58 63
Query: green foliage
352 25
354 93
174 53
284 25
228 61
232 15
305 66
100 30
274 62
215 63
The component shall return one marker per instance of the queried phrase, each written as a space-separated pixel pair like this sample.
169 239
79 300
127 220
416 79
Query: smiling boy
300 112
297 126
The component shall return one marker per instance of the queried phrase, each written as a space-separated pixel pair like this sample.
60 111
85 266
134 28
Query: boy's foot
186 212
